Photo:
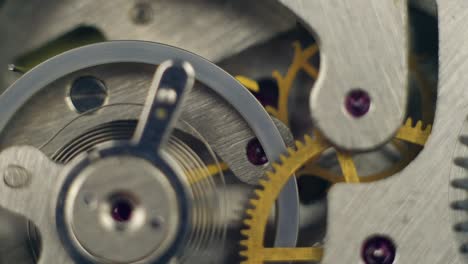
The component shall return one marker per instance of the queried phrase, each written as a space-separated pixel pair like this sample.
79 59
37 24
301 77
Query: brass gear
255 251
305 153
301 62
413 134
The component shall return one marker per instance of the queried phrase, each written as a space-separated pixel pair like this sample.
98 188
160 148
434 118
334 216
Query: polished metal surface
36 201
372 35
227 27
413 207
126 206
96 221
458 191
89 207
363 45
171 83
224 87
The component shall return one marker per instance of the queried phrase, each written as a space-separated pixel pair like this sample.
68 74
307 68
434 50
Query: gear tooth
278 173
254 202
409 122
299 144
246 233
259 193
249 212
419 125
276 166
269 175
428 128
283 158
307 139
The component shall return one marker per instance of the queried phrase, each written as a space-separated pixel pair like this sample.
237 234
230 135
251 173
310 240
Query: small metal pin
16 176
14 68
167 96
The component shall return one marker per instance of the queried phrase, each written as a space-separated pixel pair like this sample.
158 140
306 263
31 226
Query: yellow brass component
285 83
199 174
416 135
313 169
425 90
250 84
348 168
255 252
302 159
301 62
292 254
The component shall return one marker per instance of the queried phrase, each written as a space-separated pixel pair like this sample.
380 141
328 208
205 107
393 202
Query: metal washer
65 207
113 204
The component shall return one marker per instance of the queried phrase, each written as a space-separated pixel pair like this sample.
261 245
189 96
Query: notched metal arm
27 188
360 97
172 81
28 177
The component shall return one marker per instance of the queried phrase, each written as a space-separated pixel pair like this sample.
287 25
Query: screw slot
87 93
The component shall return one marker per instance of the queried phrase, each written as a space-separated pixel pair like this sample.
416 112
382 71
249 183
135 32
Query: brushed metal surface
214 29
171 83
363 45
91 225
221 84
413 207
36 199
222 126
458 192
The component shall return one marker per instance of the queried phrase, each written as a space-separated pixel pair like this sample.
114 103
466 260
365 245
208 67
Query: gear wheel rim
222 83
255 252
305 152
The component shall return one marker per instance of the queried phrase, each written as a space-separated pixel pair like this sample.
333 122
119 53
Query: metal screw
87 93
16 176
